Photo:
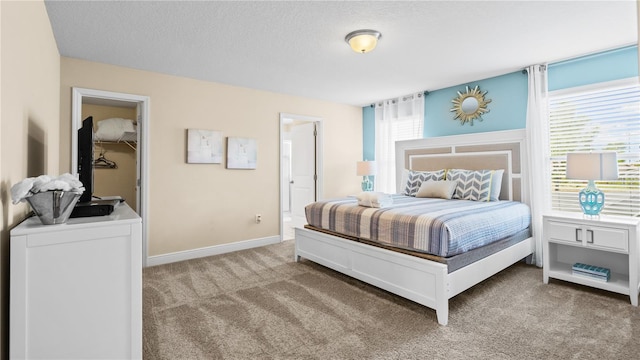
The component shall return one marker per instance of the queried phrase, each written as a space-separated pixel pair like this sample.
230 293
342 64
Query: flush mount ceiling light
363 41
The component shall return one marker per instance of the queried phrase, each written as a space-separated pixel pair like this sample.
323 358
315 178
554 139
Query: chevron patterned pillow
415 179
474 185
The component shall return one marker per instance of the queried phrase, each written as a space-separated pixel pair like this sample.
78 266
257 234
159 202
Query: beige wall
191 206
30 110
120 181
199 205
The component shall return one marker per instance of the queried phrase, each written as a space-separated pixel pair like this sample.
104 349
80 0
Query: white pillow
437 189
113 129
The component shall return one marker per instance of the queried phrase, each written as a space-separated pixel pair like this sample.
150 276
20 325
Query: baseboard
210 250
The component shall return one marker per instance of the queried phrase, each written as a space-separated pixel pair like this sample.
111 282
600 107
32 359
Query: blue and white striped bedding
434 226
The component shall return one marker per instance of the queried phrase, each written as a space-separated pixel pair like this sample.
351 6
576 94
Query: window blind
407 128
605 117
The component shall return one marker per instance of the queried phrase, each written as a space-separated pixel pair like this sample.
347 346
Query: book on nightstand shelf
591 271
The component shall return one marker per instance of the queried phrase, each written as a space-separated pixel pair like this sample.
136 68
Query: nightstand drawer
564 232
608 238
596 236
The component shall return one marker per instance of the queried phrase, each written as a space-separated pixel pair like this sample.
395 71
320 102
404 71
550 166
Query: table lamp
366 169
592 166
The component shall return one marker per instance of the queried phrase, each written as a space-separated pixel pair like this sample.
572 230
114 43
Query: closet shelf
131 144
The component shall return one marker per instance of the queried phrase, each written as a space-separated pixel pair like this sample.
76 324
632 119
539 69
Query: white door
303 170
286 176
141 124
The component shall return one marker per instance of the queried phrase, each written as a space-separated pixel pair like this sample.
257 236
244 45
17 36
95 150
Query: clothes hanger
104 163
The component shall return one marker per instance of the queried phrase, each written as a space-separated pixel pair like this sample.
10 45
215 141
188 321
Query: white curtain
395 119
538 154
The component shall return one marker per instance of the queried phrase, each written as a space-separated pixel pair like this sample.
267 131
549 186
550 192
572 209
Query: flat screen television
85 159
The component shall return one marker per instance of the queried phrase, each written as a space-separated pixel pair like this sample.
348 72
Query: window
601 117
396 120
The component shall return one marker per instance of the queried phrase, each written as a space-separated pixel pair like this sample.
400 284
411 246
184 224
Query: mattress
426 225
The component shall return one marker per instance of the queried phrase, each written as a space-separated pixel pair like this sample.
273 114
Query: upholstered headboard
483 151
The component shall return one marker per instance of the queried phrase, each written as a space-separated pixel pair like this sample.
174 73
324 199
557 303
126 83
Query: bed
428 276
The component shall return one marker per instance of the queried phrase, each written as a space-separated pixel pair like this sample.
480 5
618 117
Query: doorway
138 107
300 169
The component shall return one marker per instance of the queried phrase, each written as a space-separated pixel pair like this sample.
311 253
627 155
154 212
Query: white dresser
76 288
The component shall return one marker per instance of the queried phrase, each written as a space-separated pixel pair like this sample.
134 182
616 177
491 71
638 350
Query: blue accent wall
368 133
606 66
507 109
508 94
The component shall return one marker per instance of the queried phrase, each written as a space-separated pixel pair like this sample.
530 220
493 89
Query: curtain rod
425 93
525 71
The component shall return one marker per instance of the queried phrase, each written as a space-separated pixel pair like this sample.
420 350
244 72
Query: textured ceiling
298 47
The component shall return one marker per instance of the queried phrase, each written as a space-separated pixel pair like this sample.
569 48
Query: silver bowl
53 207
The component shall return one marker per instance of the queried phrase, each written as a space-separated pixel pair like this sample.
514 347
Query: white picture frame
241 153
204 146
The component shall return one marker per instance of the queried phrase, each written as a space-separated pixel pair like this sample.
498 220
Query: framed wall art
204 146
241 153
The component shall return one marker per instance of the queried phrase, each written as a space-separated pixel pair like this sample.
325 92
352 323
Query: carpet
260 304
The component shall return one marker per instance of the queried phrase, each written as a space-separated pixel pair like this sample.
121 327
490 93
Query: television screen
85 159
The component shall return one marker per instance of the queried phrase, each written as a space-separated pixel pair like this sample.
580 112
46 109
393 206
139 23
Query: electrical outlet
258 218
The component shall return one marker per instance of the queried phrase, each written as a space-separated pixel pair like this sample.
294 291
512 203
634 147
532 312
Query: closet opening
120 147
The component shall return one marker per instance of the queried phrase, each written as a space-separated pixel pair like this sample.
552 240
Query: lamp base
367 185
591 199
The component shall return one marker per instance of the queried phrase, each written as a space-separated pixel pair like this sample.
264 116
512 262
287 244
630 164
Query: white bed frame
424 281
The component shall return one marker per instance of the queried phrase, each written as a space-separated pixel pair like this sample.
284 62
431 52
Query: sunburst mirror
470 105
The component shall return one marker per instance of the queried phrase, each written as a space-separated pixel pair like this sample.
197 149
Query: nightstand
609 241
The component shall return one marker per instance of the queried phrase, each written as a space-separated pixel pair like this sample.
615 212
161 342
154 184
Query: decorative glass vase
53 207
591 199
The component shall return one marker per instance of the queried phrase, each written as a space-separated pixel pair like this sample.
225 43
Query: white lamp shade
366 168
592 166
